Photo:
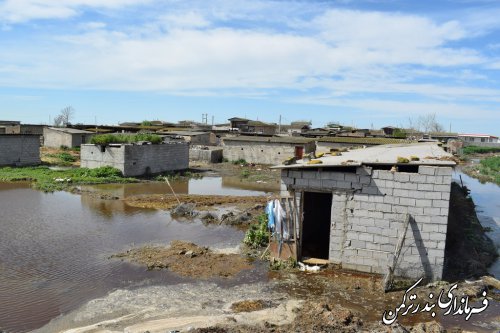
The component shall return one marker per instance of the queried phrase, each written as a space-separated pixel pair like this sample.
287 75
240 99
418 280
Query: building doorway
316 225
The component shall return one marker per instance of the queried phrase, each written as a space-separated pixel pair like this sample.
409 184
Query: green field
480 150
50 180
488 170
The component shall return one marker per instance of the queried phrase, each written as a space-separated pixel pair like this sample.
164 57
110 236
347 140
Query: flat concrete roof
363 140
259 139
429 153
70 130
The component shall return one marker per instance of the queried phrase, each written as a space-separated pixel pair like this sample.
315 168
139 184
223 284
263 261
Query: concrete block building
262 150
353 208
19 150
56 137
137 160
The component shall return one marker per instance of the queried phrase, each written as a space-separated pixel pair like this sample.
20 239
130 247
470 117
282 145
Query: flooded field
487 199
54 248
56 272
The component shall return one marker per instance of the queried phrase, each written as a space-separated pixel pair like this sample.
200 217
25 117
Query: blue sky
364 63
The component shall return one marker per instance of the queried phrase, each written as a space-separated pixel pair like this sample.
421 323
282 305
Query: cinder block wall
206 155
19 150
263 153
135 160
368 212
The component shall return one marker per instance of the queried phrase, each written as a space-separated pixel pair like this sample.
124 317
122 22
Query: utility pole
212 120
204 118
450 128
279 126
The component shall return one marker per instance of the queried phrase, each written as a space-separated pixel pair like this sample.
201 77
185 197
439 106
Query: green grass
488 170
257 235
104 139
49 180
480 150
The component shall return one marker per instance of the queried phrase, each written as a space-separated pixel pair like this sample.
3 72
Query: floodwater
487 200
54 247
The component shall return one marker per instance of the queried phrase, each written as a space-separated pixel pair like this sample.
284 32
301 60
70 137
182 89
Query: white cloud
345 53
15 11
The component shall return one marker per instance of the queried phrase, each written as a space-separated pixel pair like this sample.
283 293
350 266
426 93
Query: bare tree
64 117
427 124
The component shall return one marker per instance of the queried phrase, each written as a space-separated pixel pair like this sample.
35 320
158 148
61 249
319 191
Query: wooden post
390 274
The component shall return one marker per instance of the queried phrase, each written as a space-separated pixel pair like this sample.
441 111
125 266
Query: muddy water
54 249
487 200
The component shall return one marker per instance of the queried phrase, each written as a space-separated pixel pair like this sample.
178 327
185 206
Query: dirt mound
201 201
249 306
187 259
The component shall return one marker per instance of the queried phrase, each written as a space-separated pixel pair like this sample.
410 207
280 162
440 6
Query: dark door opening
316 225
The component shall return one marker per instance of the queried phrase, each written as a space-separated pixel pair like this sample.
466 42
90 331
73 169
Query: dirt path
202 202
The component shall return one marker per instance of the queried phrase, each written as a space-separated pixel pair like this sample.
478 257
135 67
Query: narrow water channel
487 200
54 247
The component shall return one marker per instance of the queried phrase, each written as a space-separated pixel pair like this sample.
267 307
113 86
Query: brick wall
137 160
368 212
19 150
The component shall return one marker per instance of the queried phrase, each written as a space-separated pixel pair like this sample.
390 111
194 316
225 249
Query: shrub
104 139
480 150
257 235
66 157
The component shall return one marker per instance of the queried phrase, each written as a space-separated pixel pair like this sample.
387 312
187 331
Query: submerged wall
137 160
368 212
19 150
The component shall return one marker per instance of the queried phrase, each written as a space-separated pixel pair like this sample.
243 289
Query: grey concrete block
444 171
401 177
409 186
370 190
440 203
425 187
310 174
301 182
432 195
315 183
389 199
427 170
432 211
442 188
415 210
381 207
407 201
387 175
423 203
328 184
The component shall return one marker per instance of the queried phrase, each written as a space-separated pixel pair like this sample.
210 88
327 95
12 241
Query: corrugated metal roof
428 154
289 139
371 141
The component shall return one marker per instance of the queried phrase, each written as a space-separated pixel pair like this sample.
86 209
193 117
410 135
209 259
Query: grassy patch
488 170
480 150
104 139
49 180
178 175
257 235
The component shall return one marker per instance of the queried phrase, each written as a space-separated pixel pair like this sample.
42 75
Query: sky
366 63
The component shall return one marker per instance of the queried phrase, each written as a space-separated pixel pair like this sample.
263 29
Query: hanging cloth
270 216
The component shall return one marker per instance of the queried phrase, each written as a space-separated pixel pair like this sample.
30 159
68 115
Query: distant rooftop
288 139
479 135
70 130
373 141
428 154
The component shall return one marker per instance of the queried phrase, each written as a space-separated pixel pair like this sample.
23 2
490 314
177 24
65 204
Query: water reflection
54 250
487 199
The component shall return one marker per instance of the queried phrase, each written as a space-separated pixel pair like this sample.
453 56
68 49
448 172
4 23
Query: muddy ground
187 259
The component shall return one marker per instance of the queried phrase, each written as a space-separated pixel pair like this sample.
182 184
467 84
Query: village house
194 138
19 149
325 144
56 137
10 127
137 159
262 150
354 209
478 138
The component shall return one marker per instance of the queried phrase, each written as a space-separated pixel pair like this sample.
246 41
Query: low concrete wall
206 155
263 153
368 212
137 160
19 150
